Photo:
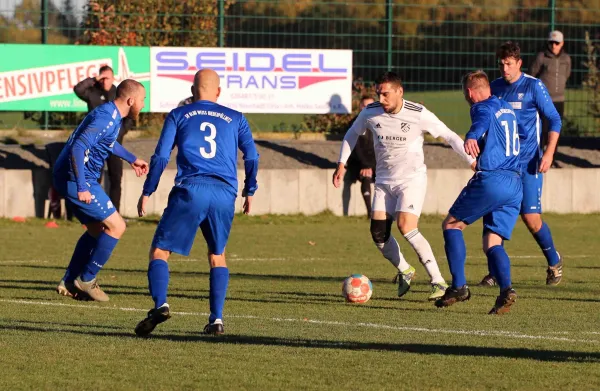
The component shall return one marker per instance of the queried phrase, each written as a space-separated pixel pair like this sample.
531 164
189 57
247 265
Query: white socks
391 252
423 250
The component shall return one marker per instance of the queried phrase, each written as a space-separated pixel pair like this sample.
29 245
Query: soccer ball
357 289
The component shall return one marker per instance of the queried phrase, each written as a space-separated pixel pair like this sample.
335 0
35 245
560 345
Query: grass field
287 326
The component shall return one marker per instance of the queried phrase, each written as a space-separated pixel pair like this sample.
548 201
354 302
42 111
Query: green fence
431 45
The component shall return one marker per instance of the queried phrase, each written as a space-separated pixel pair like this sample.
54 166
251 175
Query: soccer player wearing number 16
495 192
207 136
529 99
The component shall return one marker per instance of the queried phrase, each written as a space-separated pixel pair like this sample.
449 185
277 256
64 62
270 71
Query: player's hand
247 204
338 175
141 206
140 167
472 148
84 196
366 172
546 162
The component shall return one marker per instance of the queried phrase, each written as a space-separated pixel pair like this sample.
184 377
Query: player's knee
407 222
381 230
450 222
157 253
533 221
115 225
217 260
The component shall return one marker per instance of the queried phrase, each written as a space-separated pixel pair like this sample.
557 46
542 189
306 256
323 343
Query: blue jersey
207 136
494 126
529 98
82 159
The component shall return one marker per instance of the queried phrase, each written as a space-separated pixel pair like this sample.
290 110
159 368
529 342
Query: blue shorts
532 188
495 196
205 203
98 210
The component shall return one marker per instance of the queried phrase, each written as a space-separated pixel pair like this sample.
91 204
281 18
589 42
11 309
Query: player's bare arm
546 162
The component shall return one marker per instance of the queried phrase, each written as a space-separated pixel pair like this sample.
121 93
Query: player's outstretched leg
219 280
158 283
114 227
542 235
385 242
456 252
81 256
498 259
426 257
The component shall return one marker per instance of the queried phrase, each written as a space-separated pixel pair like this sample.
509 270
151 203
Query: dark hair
365 97
105 68
128 88
509 49
475 79
390 77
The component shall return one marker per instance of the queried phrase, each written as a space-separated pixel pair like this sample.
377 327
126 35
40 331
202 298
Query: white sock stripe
412 234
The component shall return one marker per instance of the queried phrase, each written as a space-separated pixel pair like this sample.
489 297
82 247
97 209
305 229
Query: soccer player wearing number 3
494 193
529 99
207 136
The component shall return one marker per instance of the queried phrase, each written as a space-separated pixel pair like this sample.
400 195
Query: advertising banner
257 80
42 77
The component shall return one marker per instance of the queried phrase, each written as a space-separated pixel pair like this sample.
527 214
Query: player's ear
130 101
218 92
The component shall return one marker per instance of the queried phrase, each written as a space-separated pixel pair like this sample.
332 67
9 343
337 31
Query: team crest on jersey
520 95
109 205
404 127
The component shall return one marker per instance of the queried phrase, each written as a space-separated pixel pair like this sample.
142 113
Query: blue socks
81 256
104 248
543 237
219 279
498 257
456 252
158 281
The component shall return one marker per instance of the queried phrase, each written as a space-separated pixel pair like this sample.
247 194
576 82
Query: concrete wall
23 192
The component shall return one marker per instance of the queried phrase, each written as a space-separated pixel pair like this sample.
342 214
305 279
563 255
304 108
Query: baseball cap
555 36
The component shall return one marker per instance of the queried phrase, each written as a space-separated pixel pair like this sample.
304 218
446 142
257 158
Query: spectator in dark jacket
96 91
553 67
361 165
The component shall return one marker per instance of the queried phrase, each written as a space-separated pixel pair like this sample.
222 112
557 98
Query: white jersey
398 140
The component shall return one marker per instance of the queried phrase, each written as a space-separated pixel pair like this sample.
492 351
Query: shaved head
129 88
206 85
130 98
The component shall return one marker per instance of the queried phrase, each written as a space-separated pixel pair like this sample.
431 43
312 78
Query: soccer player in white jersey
398 128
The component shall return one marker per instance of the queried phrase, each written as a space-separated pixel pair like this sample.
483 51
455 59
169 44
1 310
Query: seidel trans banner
257 80
42 77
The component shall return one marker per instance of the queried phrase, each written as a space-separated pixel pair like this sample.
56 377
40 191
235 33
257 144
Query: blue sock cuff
450 233
544 230
219 271
493 248
105 240
158 263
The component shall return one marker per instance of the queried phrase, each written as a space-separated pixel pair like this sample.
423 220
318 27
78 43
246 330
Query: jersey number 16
515 138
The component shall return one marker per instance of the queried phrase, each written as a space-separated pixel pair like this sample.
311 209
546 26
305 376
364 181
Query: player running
530 100
76 174
207 136
398 128
494 193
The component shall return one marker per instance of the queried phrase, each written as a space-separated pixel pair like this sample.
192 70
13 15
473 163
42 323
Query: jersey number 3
210 139
515 138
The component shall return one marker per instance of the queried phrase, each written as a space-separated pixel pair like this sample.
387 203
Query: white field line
276 259
481 333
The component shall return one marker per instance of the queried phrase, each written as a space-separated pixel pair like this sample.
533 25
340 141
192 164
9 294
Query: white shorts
406 197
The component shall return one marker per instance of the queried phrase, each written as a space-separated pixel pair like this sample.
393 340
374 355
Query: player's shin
543 237
499 258
219 279
81 256
456 252
158 281
381 234
425 253
105 244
